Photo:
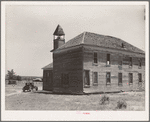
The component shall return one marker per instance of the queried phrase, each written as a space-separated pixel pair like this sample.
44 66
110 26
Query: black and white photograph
75 61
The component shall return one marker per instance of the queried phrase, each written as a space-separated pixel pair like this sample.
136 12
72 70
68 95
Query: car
37 79
29 87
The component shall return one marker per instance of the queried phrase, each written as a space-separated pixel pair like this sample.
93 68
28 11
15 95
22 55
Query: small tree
11 75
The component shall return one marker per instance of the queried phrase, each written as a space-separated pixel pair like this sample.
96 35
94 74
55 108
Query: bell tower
59 37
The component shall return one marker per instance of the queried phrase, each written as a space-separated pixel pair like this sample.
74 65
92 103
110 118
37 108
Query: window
108 59
130 78
95 78
140 77
86 78
123 45
62 37
119 78
95 57
108 79
130 62
140 64
55 37
65 79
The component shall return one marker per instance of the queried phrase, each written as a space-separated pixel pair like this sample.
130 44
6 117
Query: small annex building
93 63
48 77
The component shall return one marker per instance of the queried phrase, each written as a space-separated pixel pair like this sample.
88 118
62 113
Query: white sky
29 30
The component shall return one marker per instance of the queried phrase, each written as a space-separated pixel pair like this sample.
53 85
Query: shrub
104 100
121 104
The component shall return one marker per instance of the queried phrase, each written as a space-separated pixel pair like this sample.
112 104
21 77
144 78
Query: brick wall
114 68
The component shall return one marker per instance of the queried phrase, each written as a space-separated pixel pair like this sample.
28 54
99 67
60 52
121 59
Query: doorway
86 78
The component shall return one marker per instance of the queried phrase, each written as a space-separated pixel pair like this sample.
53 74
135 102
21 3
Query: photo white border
72 115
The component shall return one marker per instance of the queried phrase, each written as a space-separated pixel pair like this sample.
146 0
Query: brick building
93 63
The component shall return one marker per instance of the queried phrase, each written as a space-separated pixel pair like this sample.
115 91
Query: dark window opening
140 64
95 77
108 59
65 79
130 78
123 45
86 78
140 77
108 79
119 78
130 62
95 57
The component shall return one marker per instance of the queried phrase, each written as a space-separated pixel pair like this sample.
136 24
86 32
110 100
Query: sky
29 30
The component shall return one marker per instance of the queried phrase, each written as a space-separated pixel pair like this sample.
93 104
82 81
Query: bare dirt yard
15 99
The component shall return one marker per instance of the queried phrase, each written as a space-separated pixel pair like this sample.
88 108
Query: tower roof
59 31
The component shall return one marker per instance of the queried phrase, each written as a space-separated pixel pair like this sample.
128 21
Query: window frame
96 63
95 83
109 78
140 78
130 62
87 85
108 59
120 84
131 80
139 63
123 45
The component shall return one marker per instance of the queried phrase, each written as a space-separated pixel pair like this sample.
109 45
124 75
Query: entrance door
86 78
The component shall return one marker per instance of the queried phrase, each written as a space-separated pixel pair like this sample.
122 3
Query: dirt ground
15 99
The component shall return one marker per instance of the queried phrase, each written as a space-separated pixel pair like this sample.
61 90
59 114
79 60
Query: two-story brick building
93 63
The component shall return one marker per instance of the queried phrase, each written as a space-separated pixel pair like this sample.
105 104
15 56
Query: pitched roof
49 66
89 38
59 31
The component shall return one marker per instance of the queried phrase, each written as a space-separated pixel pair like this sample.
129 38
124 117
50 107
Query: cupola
59 37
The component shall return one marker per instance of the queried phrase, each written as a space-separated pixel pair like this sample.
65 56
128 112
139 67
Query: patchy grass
43 101
40 101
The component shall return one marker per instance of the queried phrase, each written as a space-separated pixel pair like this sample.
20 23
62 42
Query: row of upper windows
108 79
108 61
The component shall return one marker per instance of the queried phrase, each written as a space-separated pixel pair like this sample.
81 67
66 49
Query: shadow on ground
51 92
